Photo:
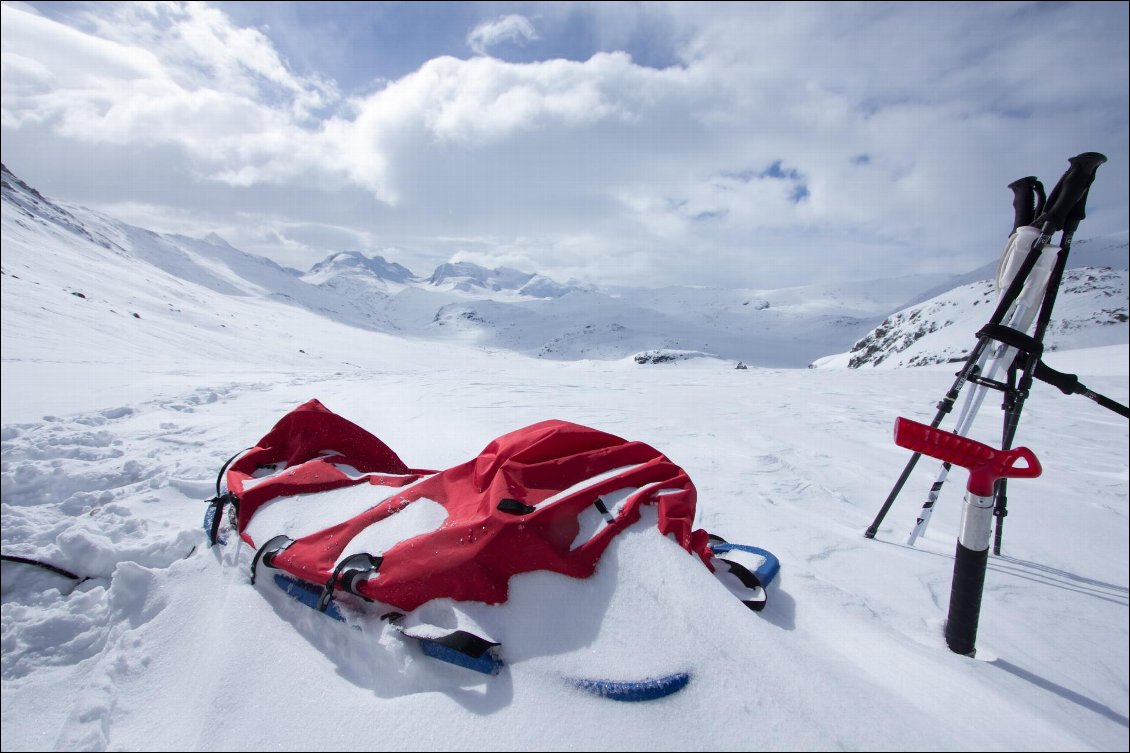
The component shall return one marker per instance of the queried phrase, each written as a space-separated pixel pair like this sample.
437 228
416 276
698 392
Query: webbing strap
224 467
268 552
216 510
1012 337
350 570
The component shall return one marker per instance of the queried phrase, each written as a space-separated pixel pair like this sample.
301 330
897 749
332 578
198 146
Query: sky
724 144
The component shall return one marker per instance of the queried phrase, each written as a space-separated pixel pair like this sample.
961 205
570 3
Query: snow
115 426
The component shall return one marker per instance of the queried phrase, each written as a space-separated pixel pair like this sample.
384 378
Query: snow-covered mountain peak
540 286
357 262
470 277
216 240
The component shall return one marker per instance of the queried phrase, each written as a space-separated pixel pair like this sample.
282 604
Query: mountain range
879 322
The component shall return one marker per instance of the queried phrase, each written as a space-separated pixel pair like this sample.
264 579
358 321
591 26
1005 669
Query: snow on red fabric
552 473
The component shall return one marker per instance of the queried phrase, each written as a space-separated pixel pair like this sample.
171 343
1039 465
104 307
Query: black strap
602 508
224 467
44 565
747 577
749 580
1012 337
743 573
268 552
350 570
465 643
217 503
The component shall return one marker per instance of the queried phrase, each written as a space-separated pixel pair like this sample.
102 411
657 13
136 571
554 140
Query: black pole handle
1023 201
1076 215
1070 189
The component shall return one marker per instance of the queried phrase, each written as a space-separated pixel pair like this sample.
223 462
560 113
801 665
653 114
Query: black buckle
351 571
268 552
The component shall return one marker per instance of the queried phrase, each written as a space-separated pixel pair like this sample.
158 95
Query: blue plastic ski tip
636 690
307 594
768 569
486 663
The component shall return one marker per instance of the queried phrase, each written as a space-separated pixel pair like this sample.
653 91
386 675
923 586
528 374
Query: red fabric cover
473 554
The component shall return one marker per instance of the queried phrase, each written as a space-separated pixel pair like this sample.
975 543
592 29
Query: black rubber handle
1023 201
1070 189
1076 215
965 599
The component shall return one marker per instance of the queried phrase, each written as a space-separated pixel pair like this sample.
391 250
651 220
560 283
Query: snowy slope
1110 251
114 427
1090 310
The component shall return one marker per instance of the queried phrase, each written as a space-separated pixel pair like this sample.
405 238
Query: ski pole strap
984 463
1069 384
1071 189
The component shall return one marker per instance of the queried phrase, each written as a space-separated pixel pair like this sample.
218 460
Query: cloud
757 156
161 73
512 28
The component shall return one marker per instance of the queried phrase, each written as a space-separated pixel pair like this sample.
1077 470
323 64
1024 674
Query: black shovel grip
966 592
1070 190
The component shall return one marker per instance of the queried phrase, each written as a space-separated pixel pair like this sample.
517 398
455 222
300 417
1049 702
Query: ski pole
973 362
1068 192
1068 208
986 465
1021 317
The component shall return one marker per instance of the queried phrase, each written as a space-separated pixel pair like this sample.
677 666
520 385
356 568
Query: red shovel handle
985 464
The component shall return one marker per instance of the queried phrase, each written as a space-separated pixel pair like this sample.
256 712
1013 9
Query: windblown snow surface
121 404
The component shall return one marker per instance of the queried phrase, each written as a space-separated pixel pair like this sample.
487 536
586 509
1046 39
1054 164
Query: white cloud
164 74
200 47
895 130
512 28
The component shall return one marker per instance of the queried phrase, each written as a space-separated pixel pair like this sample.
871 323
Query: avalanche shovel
986 465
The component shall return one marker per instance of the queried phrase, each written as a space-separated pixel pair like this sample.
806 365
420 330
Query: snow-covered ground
115 426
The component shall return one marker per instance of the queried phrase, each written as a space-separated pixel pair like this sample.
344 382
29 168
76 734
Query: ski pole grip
1076 215
1023 201
1071 188
985 464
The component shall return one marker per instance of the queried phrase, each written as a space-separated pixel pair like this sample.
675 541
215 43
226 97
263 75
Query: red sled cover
550 496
